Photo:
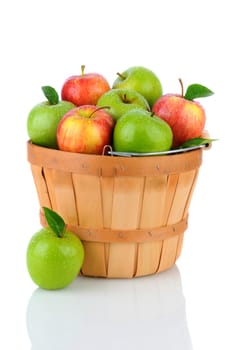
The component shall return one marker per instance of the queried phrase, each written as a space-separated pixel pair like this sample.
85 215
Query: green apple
141 131
54 254
43 119
142 80
120 101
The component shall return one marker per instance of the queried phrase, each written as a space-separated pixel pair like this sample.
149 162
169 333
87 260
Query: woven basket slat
170 193
122 260
88 200
188 201
95 262
148 258
180 200
154 201
127 197
168 253
171 247
60 189
179 245
107 190
41 186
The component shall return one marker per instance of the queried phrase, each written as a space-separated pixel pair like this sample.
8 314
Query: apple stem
98 109
125 100
182 87
82 69
121 76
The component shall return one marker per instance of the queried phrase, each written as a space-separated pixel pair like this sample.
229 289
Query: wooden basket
130 212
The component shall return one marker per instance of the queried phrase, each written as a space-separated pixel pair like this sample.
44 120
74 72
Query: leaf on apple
54 221
197 141
196 91
51 94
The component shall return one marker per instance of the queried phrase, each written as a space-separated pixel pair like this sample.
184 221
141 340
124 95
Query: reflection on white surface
142 313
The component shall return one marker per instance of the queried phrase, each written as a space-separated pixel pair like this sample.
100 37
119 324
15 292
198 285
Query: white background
44 42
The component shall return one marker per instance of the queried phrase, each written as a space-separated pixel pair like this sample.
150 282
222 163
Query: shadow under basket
130 212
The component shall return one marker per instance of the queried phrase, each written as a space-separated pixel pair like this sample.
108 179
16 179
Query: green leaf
196 90
197 141
51 94
54 221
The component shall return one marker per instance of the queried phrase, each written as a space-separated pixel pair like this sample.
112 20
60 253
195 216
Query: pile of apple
131 116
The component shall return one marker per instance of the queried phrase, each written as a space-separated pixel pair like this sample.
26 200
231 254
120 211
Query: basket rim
109 165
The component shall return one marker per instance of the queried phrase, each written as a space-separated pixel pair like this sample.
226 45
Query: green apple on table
54 255
43 118
141 131
142 80
120 101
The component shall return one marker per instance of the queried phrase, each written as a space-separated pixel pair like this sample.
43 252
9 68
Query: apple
54 255
43 118
142 80
185 116
84 89
122 100
85 129
140 131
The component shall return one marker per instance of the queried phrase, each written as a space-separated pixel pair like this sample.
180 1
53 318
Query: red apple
84 89
86 129
185 116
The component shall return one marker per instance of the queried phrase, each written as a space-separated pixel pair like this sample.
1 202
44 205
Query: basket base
129 260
